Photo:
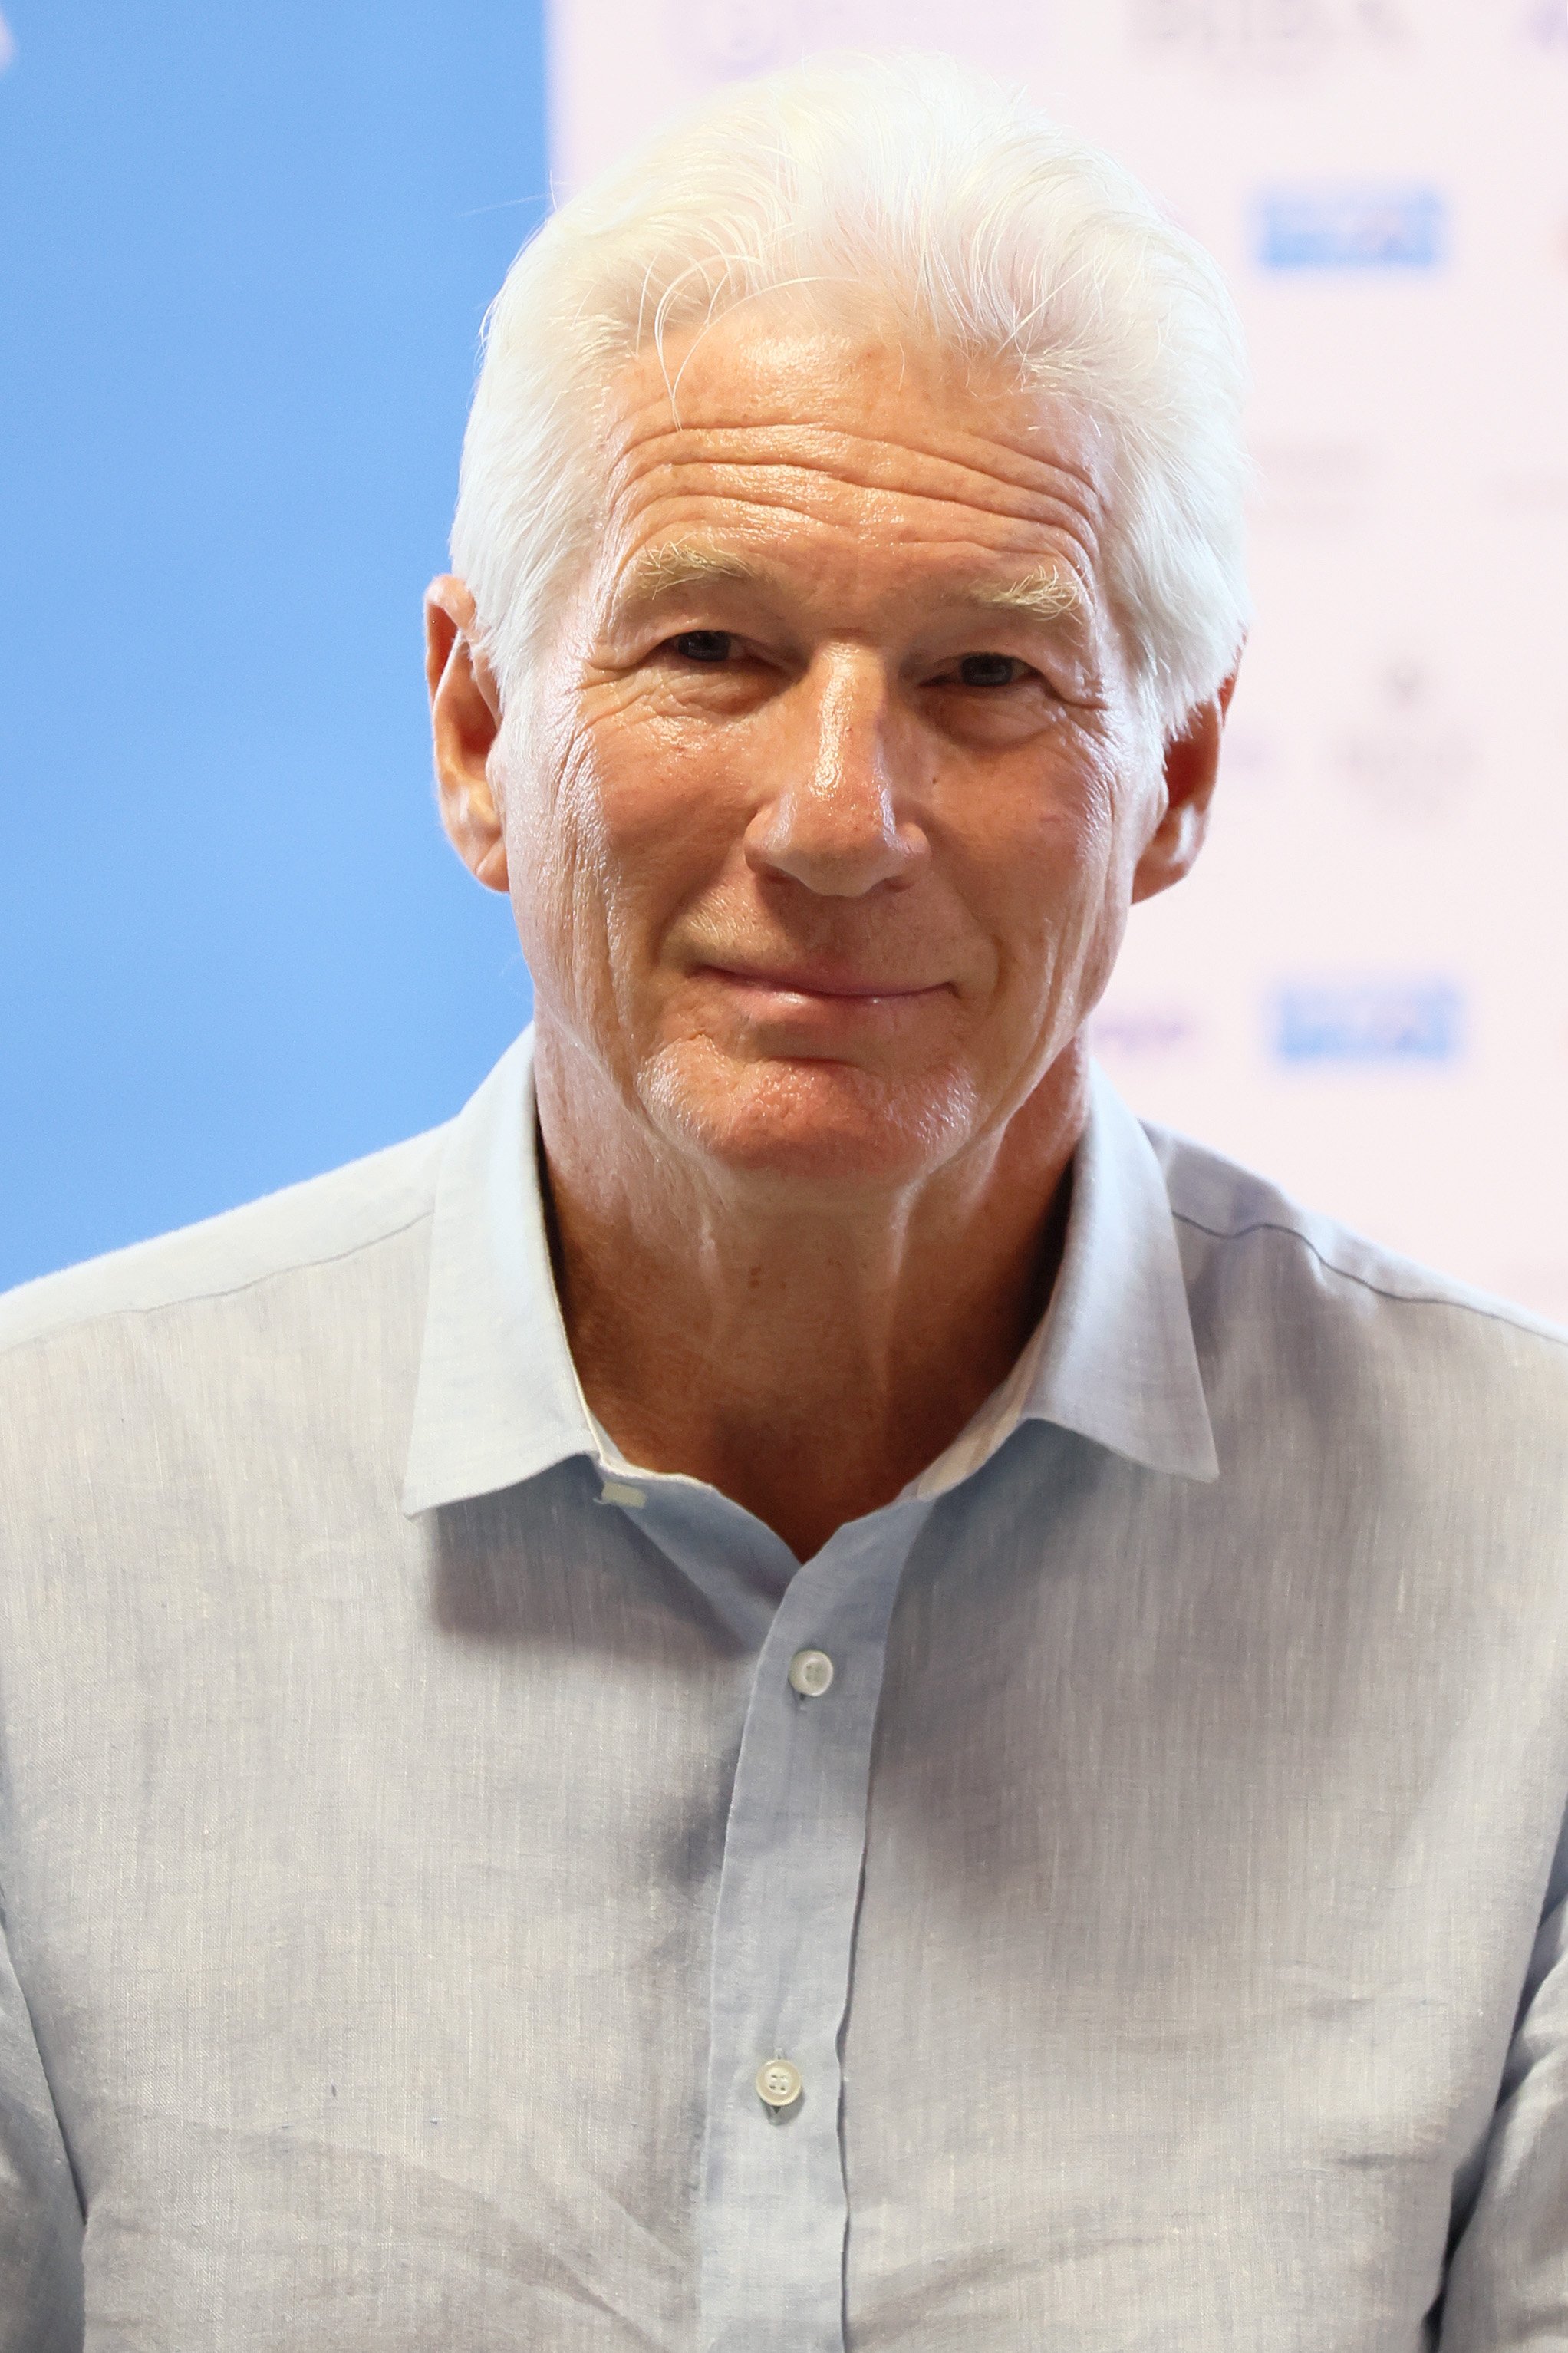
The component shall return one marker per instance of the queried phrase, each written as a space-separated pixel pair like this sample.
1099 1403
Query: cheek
1050 863
1097 872
609 838
672 801
556 858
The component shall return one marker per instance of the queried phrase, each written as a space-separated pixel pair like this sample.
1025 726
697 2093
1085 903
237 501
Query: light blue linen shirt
413 1845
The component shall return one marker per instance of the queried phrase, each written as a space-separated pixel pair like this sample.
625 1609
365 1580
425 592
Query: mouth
822 986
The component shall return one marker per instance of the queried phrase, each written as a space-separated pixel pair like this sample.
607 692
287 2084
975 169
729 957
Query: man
795 1687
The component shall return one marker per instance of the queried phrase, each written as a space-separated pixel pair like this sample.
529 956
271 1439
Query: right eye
710 646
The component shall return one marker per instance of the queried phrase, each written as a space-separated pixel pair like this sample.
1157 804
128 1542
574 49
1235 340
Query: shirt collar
1114 1356
499 1400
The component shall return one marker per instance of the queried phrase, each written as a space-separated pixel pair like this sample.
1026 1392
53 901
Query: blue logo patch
1352 228
1369 1021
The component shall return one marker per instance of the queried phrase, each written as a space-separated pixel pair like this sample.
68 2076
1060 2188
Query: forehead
779 428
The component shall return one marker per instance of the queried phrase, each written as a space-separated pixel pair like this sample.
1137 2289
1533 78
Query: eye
991 670
704 645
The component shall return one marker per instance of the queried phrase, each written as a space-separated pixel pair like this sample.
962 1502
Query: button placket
782 1939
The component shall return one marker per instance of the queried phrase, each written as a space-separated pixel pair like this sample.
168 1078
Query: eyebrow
683 564
1048 593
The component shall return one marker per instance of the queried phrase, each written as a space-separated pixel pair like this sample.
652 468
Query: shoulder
328 1221
1273 1279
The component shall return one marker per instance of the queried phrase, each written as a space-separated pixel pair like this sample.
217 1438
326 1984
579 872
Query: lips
806 982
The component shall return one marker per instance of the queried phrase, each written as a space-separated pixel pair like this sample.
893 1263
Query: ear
465 720
1192 770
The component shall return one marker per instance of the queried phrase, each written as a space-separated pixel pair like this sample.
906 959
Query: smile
822 988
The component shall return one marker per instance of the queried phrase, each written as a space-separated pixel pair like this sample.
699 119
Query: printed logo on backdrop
1407 757
1312 483
725 41
1544 25
731 37
1351 225
1409 1020
1131 1032
1266 36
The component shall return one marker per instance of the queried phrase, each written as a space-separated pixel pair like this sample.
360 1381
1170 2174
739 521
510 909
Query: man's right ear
465 720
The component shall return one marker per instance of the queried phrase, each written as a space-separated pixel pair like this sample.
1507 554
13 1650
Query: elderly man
797 1688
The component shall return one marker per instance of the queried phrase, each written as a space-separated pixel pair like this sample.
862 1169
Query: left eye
991 670
704 645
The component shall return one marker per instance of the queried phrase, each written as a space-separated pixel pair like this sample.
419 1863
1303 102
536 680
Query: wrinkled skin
820 858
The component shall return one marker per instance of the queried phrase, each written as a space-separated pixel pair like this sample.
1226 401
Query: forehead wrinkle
1043 508
762 500
866 461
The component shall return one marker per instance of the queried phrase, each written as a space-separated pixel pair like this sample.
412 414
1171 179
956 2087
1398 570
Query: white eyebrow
682 563
1047 591
1044 592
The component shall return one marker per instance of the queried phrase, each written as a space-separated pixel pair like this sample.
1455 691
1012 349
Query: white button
778 2083
810 1672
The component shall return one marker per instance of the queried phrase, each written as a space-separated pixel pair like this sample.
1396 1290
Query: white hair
986 225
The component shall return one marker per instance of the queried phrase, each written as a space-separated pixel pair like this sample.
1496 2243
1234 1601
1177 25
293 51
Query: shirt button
810 1672
778 2083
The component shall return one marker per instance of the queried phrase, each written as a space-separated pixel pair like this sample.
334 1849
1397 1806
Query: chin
811 1122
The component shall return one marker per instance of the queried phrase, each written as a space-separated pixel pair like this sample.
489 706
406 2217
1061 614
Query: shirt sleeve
1507 2284
40 2213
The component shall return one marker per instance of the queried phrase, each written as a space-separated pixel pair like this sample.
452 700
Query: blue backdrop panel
243 258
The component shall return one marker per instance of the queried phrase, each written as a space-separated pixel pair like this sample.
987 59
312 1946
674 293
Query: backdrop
1363 989
246 257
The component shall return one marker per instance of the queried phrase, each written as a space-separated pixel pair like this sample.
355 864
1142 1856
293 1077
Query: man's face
834 792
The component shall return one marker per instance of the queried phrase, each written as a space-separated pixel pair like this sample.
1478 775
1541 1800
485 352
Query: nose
833 822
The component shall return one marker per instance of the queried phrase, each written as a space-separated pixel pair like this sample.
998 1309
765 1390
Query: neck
808 1357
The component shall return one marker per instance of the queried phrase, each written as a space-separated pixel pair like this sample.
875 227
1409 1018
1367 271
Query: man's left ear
1192 770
